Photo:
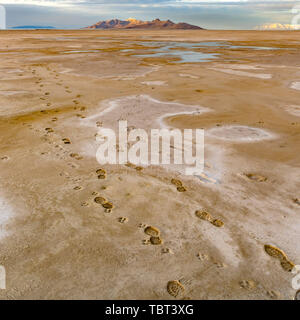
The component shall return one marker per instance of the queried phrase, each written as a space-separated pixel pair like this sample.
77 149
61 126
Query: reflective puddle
185 51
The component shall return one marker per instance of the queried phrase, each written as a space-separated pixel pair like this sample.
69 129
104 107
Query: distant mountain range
139 24
33 27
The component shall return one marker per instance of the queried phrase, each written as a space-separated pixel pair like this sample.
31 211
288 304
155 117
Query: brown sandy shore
57 242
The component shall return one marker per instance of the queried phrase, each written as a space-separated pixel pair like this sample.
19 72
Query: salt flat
73 229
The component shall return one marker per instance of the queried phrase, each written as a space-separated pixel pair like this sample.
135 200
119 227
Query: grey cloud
209 14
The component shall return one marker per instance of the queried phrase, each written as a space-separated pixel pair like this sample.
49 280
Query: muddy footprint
256 177
167 250
175 288
133 166
181 189
152 231
123 220
202 256
108 206
66 141
100 200
154 234
177 183
277 253
204 215
218 223
101 174
248 284
72 165
156 241
76 156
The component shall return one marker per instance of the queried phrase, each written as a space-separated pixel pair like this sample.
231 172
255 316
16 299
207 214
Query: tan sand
72 229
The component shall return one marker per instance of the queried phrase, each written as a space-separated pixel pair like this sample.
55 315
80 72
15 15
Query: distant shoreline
32 28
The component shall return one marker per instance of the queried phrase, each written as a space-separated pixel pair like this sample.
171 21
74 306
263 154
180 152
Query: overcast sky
211 14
